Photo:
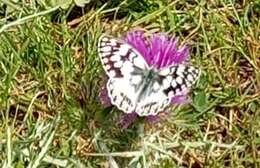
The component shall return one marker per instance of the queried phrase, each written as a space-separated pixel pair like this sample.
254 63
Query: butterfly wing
168 83
177 79
118 58
122 94
124 66
153 101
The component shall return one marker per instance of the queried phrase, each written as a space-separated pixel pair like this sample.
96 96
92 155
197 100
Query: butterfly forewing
119 58
167 83
124 66
177 79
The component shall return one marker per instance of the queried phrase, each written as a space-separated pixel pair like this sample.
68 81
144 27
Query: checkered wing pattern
133 86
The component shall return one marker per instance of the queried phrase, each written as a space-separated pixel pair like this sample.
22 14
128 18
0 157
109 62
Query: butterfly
134 86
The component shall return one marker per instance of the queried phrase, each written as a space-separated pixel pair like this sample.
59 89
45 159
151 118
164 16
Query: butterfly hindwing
118 95
153 103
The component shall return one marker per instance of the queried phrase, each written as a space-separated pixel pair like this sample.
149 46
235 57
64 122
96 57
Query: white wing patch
133 86
125 101
153 104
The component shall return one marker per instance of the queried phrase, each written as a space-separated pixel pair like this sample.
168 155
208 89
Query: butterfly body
134 86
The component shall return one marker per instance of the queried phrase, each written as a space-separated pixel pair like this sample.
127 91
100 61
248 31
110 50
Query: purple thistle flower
159 51
127 119
104 98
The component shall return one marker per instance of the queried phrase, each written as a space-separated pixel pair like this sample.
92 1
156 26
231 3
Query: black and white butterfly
134 86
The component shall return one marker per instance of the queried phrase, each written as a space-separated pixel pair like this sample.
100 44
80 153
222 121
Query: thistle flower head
159 50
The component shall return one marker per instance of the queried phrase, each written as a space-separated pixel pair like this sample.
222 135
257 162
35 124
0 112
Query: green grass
50 77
